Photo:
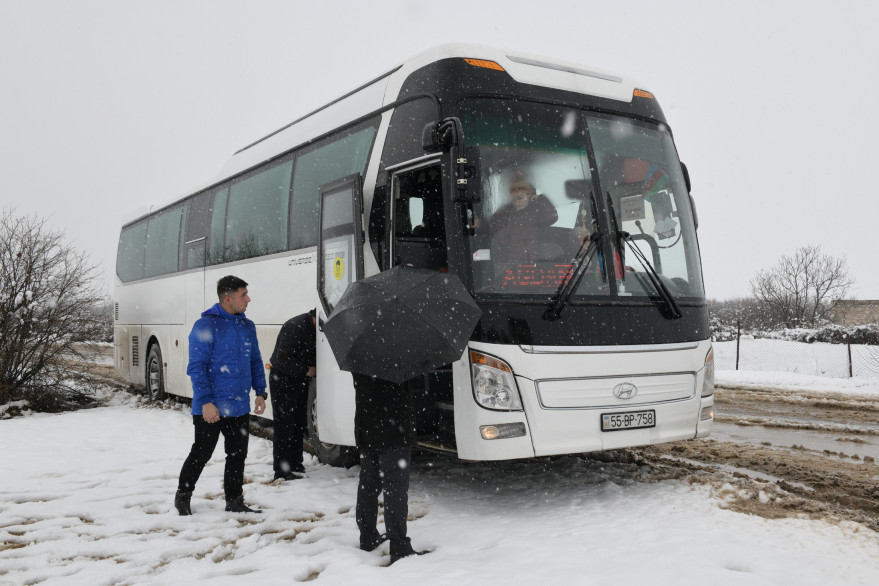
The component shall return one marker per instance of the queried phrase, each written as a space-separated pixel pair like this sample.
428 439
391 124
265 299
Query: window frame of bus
352 228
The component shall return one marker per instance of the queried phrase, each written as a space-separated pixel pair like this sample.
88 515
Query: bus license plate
628 420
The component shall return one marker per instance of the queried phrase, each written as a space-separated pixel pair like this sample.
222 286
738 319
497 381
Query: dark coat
514 233
295 348
384 415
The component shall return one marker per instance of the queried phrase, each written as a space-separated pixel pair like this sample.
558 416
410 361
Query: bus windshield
553 177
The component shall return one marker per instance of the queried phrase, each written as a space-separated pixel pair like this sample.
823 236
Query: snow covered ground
818 358
86 498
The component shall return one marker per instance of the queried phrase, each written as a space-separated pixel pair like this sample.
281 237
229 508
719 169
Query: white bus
573 352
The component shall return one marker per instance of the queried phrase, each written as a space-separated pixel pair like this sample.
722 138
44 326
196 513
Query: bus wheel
330 454
155 376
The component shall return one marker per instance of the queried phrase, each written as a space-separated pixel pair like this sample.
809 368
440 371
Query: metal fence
816 358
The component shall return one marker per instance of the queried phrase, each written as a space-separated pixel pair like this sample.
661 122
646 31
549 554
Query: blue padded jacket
224 362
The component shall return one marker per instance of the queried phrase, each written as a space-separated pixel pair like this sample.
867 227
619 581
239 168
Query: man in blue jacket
224 364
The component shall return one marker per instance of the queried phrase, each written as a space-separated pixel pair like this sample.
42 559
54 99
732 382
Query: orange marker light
642 94
482 359
484 63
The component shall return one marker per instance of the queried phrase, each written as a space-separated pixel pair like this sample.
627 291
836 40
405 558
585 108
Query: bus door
340 263
417 237
417 220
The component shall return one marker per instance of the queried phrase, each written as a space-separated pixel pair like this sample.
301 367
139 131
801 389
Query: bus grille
591 393
135 353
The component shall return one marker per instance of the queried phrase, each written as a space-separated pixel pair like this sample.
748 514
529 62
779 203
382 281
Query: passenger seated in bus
515 227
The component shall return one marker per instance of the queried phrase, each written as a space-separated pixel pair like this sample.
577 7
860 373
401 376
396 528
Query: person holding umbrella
384 428
387 329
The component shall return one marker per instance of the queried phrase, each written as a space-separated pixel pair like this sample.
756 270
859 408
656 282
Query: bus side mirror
462 174
430 141
695 215
686 177
461 170
442 135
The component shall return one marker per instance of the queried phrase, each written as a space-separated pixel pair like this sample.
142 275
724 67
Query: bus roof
524 68
385 89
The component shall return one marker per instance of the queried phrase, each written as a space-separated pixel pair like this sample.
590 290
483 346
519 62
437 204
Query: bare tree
744 312
798 289
48 320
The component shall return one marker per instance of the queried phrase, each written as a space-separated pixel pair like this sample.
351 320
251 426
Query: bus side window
163 242
340 155
130 255
196 231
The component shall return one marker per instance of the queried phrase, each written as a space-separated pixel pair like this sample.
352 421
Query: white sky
107 106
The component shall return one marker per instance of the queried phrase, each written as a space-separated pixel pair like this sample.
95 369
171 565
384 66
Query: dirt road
783 454
776 454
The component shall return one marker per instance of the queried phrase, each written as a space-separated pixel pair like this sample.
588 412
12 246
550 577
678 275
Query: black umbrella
401 323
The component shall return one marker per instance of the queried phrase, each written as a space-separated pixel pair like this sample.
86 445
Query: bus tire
155 374
330 454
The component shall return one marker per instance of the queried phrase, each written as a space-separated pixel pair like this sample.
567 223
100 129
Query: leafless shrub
797 291
49 311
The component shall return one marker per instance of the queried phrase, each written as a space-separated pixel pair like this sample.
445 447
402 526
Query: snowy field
818 358
86 498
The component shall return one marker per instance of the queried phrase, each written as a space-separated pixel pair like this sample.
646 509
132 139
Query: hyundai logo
625 391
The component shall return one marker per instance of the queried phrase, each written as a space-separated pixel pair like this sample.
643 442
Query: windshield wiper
661 288
567 288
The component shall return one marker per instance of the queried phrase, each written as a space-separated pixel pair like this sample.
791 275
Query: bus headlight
708 380
494 386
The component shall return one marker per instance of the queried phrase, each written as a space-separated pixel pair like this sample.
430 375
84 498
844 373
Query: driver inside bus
515 227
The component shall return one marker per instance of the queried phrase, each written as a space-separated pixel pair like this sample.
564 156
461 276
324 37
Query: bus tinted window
218 226
403 141
196 221
129 256
256 219
162 242
330 161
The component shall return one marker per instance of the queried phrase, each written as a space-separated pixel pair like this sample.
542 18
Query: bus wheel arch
154 372
331 454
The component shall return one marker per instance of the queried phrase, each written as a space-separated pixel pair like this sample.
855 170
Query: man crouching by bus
224 364
293 367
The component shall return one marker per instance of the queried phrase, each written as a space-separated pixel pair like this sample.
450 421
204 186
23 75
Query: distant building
855 312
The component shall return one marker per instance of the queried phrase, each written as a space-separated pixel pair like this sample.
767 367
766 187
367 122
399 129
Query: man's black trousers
235 432
388 471
289 397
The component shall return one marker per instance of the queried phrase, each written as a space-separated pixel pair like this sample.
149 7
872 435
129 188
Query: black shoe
373 542
396 556
181 503
287 476
237 505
